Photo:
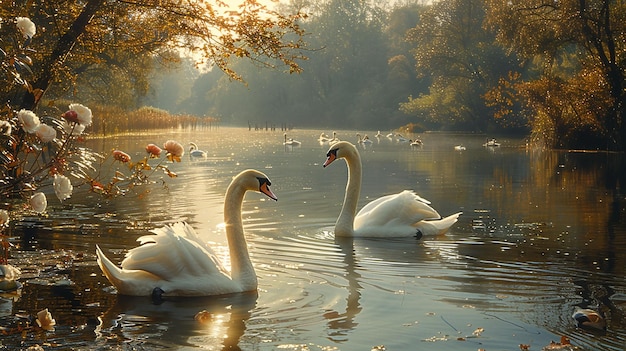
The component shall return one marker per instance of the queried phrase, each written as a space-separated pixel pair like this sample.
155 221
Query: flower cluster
40 150
139 171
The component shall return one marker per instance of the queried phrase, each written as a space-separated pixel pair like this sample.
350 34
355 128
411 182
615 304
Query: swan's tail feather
110 270
127 282
437 227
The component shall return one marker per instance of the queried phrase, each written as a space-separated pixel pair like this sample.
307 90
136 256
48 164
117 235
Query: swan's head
341 149
193 146
257 181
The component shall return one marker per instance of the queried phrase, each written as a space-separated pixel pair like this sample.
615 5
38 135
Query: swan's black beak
265 189
330 157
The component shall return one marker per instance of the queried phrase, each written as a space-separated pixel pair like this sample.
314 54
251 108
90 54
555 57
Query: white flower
45 133
38 202
5 128
83 114
45 320
62 187
26 26
4 217
9 272
73 128
29 120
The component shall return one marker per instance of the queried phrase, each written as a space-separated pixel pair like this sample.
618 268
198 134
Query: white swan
194 152
416 143
401 139
397 215
366 140
334 138
491 143
323 138
290 141
174 261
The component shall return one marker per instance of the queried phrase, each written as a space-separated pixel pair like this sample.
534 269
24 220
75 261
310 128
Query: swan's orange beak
330 157
264 188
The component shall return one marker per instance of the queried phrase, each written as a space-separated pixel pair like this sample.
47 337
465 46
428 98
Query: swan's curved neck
242 269
345 222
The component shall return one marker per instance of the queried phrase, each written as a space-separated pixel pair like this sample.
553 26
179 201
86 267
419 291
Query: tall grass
112 120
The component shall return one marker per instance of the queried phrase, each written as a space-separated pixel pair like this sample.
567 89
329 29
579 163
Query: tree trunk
64 46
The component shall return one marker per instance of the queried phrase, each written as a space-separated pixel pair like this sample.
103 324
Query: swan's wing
404 193
172 251
438 226
403 209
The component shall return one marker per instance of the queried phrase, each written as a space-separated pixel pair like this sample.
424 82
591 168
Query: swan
290 141
323 138
174 261
416 143
491 143
364 140
194 152
397 215
460 148
378 135
401 139
334 138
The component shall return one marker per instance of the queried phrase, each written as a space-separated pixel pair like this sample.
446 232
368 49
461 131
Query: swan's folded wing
404 208
172 251
438 226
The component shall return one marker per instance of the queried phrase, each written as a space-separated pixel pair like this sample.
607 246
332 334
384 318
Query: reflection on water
177 322
542 232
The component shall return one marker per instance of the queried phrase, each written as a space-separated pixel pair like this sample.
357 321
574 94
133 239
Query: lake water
542 232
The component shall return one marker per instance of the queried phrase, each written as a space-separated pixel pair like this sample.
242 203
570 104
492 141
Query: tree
451 46
76 37
577 97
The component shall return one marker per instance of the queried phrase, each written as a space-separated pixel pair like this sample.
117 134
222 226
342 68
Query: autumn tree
576 98
78 43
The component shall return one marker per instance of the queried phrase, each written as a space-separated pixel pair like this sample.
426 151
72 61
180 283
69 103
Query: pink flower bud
121 156
70 116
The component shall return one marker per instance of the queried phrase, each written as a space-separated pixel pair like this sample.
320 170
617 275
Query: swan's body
459 148
397 215
290 141
174 261
194 152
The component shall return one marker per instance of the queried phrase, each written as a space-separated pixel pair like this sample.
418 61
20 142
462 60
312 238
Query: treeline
552 69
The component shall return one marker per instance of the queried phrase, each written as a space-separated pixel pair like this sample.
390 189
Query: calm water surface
541 233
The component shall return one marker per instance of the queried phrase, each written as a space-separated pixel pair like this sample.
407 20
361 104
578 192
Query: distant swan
460 148
365 140
323 138
174 261
398 215
290 141
401 139
416 143
334 139
195 152
491 143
